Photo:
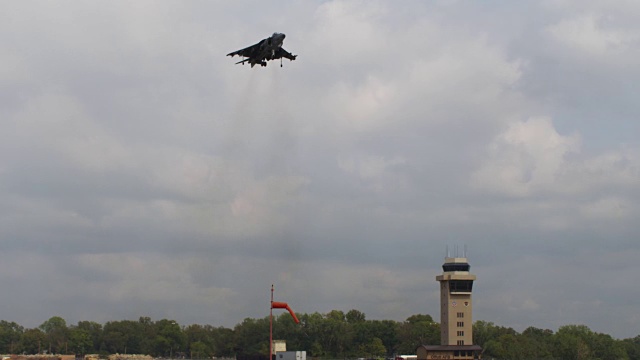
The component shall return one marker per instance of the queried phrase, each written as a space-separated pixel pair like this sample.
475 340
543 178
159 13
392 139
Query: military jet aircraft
267 49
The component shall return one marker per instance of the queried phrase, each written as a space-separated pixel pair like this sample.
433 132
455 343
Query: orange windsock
282 305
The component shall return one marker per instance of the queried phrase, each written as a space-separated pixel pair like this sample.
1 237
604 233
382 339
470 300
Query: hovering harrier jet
267 49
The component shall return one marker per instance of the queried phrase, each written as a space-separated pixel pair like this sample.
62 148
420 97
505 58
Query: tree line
332 335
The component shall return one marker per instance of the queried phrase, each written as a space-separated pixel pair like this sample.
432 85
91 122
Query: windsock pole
277 305
271 326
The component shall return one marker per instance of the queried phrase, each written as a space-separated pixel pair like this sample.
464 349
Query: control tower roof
455 264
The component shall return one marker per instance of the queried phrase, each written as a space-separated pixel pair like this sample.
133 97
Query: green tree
497 341
493 349
514 347
417 330
387 332
336 315
632 347
95 333
604 347
326 335
312 326
373 349
355 316
114 340
252 336
124 337
418 318
80 341
169 339
10 334
162 347
539 342
202 337
360 335
284 327
484 331
571 342
199 350
57 334
331 335
334 334
224 342
148 333
33 341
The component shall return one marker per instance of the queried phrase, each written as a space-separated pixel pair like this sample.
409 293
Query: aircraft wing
246 52
282 53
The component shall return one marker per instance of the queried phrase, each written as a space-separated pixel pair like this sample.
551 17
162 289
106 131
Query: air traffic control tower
456 307
456 320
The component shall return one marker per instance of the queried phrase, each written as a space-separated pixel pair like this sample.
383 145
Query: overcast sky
142 173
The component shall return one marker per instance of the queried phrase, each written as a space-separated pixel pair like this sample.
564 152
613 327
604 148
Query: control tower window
460 286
